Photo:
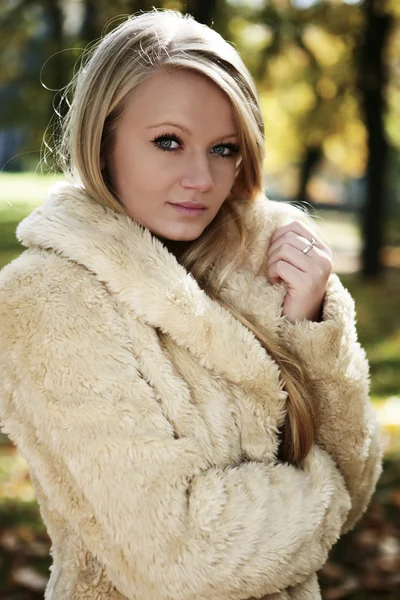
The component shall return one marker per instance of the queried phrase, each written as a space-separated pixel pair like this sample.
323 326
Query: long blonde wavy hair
136 49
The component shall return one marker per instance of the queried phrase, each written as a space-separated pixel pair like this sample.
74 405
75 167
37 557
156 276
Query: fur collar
146 278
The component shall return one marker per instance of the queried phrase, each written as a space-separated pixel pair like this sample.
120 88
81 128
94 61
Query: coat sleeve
162 520
337 363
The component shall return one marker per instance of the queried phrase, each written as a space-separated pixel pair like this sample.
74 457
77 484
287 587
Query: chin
182 236
187 238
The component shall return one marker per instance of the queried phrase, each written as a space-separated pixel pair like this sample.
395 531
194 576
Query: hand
305 275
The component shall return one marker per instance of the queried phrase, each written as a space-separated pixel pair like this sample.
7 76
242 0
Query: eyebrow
170 124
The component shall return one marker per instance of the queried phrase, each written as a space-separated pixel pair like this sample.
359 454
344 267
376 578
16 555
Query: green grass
20 192
378 325
19 195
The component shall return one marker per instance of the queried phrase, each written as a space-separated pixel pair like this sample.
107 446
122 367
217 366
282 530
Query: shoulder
263 218
37 270
39 276
41 291
272 214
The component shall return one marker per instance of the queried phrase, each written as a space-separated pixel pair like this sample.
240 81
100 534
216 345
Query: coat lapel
143 275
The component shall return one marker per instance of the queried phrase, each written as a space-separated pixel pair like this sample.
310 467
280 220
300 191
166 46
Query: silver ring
313 242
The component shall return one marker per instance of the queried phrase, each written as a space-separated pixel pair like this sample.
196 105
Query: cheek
225 175
138 167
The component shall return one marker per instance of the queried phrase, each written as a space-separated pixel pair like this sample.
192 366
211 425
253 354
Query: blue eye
165 141
232 149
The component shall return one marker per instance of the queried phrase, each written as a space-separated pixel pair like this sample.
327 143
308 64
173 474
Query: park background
328 77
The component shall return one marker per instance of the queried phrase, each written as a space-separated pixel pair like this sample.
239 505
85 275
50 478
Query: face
175 143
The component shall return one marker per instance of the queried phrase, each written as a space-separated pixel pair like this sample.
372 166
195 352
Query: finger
282 270
295 241
292 255
298 228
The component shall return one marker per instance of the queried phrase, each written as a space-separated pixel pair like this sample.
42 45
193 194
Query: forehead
184 97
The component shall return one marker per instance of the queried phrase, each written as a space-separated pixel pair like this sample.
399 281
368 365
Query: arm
97 441
348 428
329 350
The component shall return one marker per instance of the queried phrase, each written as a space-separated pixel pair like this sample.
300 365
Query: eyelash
234 148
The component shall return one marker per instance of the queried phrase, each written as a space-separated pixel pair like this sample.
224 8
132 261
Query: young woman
178 364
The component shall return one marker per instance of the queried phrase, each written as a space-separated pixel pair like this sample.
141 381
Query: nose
198 175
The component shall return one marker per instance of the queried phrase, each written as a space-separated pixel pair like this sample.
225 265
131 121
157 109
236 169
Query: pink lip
189 210
190 205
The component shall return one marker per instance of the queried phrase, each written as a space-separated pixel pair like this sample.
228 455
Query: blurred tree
89 29
373 81
321 72
303 62
202 10
55 46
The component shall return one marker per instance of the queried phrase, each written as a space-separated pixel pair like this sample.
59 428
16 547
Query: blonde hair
136 49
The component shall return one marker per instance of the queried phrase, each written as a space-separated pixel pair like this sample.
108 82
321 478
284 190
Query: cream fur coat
153 457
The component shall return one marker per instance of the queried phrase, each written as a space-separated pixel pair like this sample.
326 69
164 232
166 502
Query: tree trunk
372 82
307 168
202 10
55 19
89 27
135 6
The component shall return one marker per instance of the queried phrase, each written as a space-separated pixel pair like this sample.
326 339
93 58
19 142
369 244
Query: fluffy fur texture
149 415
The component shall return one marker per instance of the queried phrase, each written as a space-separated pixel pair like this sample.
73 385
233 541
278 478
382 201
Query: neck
177 248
